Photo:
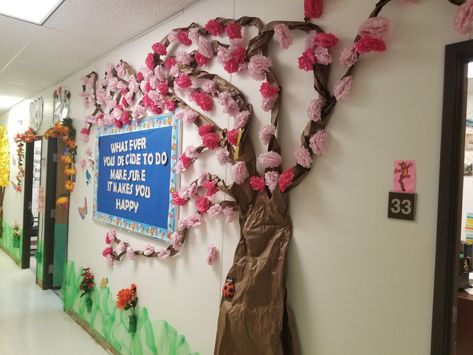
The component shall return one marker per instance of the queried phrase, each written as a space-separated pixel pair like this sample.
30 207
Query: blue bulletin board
135 176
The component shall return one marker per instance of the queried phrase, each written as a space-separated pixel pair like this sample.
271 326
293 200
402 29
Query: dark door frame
27 197
49 213
457 57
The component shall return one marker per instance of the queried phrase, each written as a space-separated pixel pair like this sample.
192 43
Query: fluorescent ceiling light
34 11
9 101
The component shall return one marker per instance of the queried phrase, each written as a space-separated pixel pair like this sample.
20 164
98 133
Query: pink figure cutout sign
404 176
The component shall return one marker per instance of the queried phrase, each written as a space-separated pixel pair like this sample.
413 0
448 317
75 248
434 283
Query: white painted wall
359 283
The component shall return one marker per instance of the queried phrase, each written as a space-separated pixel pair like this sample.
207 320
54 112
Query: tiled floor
32 321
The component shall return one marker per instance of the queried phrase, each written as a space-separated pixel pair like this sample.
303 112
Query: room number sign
402 205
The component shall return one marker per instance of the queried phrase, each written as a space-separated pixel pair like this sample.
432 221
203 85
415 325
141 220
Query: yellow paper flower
69 185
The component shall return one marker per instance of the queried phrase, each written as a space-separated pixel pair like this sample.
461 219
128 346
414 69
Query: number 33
404 206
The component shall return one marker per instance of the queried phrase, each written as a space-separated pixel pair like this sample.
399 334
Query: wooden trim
457 57
27 200
96 336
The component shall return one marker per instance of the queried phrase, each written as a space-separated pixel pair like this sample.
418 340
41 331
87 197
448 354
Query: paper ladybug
229 288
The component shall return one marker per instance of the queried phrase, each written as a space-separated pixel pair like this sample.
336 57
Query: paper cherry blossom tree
254 317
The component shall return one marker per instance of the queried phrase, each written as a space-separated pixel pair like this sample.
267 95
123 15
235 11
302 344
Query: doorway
32 181
56 220
447 302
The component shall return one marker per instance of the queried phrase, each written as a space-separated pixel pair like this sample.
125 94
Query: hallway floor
32 321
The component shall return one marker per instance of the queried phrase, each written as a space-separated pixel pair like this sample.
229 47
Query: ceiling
34 57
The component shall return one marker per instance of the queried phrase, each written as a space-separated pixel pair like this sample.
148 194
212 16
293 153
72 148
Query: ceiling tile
14 35
55 49
27 74
113 21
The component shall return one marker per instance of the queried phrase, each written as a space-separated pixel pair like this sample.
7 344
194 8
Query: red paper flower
107 251
211 140
233 30
118 123
203 100
268 91
307 60
126 298
232 136
326 40
201 59
159 48
313 8
170 62
139 76
150 61
170 105
183 37
370 44
183 81
163 88
214 27
202 204
285 180
211 187
257 183
178 200
125 117
236 58
185 161
206 128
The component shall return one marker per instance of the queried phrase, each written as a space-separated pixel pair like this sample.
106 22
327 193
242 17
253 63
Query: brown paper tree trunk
256 320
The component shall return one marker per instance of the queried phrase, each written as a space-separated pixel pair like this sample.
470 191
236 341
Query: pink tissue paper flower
109 259
233 30
464 18
319 142
214 211
183 58
283 35
192 152
163 88
170 62
313 8
349 56
150 61
148 250
266 133
343 88
230 106
235 60
326 40
178 200
194 34
202 204
205 47
322 56
186 115
375 27
84 134
241 119
258 66
303 157
209 86
177 240
130 253
214 27
239 172
229 214
314 111
269 103
206 128
257 183
222 155
268 91
164 253
285 180
269 160
159 48
271 179
211 254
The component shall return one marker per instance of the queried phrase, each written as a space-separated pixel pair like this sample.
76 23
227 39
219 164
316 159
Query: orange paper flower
69 185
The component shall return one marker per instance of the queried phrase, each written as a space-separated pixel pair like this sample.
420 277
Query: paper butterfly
88 177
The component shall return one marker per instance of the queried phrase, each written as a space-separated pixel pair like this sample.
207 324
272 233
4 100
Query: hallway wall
358 282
